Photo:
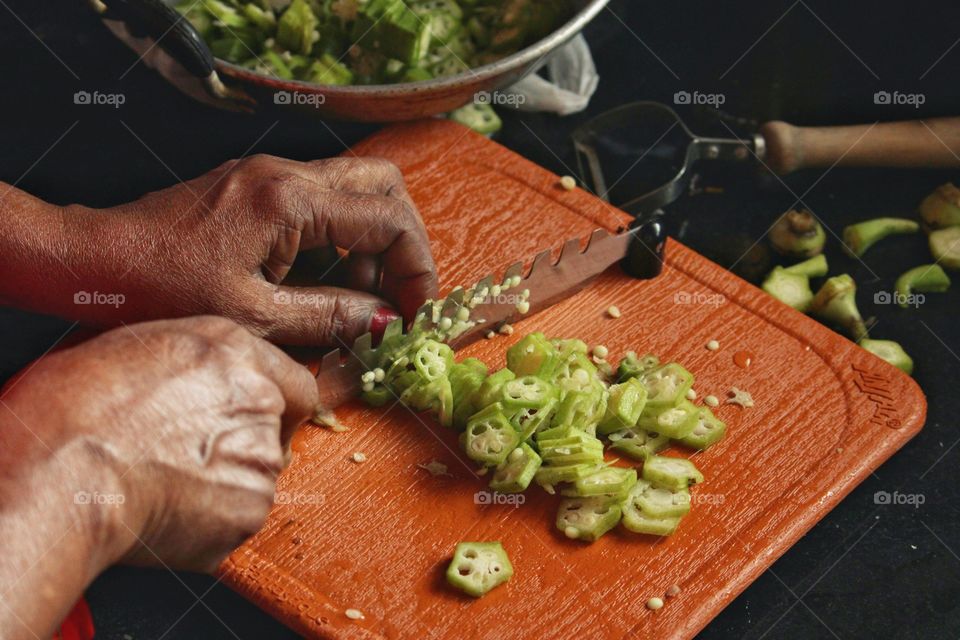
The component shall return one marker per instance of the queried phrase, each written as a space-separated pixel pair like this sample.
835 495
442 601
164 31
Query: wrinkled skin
156 444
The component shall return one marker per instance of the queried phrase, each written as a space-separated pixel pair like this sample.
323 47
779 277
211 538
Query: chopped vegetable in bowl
368 42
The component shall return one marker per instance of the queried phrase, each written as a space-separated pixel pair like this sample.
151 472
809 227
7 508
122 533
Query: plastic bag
573 81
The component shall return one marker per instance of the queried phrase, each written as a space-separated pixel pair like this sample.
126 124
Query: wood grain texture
377 536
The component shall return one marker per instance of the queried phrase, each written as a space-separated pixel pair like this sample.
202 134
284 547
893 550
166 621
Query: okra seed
491 335
572 532
523 306
568 182
378 375
367 377
673 591
515 281
691 394
613 312
713 345
368 387
654 603
516 454
495 290
601 351
354 614
359 457
711 401
463 314
445 324
506 330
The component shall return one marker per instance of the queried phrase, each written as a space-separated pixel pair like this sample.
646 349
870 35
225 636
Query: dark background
867 570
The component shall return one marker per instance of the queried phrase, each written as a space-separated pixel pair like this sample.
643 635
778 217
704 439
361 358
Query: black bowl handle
169 29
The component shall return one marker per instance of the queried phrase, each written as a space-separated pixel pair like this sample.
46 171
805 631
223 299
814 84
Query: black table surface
867 570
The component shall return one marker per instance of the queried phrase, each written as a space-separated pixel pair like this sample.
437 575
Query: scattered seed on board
613 312
713 345
654 603
601 351
523 307
691 394
359 456
568 182
711 401
491 335
673 591
354 614
507 330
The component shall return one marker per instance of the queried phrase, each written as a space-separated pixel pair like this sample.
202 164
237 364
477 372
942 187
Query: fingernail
381 318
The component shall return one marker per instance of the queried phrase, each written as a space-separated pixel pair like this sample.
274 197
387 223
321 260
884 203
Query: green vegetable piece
263 19
660 502
613 482
836 303
707 431
638 521
415 74
666 386
391 28
527 392
624 405
433 360
514 474
327 70
927 278
890 351
530 420
798 234
534 355
555 433
941 208
638 444
431 395
465 379
296 27
478 567
789 288
579 449
673 422
479 117
490 437
442 16
632 366
491 389
582 409
587 518
945 247
671 473
857 238
226 14
815 267
551 475
379 396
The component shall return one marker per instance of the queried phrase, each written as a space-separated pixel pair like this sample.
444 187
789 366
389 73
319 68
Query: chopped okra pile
547 418
370 41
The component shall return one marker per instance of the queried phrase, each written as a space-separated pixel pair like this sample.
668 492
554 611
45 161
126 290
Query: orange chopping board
378 536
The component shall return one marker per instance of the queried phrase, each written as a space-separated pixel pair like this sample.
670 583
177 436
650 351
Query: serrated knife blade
548 282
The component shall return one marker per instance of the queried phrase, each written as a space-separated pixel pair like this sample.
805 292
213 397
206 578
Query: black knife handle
645 254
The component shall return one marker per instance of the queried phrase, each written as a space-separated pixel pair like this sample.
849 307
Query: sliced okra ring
527 392
490 437
666 386
534 355
433 360
671 473
478 567
582 409
531 420
515 474
613 482
624 406
492 388
707 431
553 475
637 443
673 422
587 518
379 396
638 522
659 502
633 366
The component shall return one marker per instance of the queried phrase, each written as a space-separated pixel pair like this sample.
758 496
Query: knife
638 249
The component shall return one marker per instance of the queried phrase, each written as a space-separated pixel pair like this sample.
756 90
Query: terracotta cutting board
377 536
